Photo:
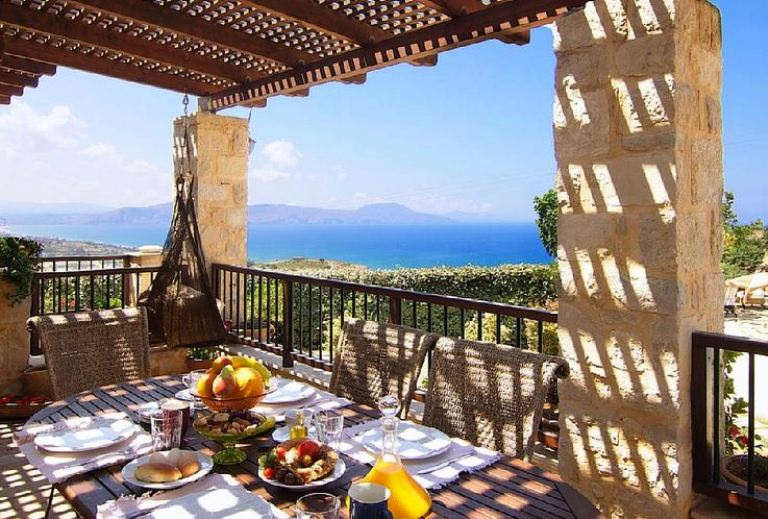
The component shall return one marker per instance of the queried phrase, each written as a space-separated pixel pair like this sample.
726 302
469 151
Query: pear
224 383
205 383
248 381
219 363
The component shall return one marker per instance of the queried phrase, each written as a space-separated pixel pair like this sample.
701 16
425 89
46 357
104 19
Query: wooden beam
324 19
13 79
193 27
300 93
437 5
426 61
105 67
516 38
501 18
464 7
354 80
5 100
26 65
7 90
93 35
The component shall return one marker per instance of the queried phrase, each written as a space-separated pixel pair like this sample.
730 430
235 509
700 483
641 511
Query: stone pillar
14 339
637 127
220 160
145 256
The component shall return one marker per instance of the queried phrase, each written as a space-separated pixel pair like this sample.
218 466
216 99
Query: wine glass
329 426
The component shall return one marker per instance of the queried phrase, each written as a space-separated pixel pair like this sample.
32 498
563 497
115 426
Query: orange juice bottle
409 500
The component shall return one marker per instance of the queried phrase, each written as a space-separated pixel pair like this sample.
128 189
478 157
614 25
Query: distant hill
160 214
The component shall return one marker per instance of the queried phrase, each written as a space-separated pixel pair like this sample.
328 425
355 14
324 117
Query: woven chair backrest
85 350
491 395
378 359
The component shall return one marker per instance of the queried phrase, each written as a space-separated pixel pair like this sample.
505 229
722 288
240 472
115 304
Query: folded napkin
60 466
431 473
217 495
319 401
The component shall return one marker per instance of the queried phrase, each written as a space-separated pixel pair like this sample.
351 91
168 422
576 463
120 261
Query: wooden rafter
5 100
14 79
492 22
322 18
93 35
27 65
105 67
8 90
192 27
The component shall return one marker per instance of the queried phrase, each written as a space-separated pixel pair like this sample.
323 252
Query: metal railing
72 263
707 421
300 317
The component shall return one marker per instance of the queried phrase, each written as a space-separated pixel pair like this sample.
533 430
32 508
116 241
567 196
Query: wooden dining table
508 488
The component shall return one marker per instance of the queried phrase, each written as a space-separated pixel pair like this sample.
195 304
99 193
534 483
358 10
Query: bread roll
157 473
189 468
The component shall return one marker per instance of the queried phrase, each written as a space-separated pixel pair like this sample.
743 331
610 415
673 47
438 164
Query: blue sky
473 134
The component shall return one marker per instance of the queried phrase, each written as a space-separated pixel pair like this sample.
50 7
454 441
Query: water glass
318 506
166 427
329 426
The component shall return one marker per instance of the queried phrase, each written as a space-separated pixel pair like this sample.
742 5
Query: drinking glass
328 426
165 427
318 506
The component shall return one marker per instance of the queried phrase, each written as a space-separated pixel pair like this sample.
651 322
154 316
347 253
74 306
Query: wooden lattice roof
240 52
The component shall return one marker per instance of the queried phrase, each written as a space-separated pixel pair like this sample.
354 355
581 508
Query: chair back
84 350
377 359
491 395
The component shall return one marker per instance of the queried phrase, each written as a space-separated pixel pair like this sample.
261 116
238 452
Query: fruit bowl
230 454
220 404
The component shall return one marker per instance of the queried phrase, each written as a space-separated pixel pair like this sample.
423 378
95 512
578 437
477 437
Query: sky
473 134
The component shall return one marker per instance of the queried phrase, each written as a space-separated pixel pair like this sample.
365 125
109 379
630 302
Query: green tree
547 209
744 246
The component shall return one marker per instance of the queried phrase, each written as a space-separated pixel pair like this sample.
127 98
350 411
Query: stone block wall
638 143
220 160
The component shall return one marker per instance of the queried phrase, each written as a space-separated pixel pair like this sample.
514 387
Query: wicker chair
84 350
377 359
489 394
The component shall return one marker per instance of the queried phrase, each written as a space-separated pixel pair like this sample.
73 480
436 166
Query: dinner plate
206 465
338 471
414 441
282 434
288 392
88 437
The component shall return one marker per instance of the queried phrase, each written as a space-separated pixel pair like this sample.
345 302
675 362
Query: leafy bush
19 259
547 209
744 246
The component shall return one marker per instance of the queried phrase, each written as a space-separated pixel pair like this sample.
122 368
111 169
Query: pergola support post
219 158
637 123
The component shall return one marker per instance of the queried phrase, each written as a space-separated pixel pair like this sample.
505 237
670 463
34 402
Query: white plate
338 471
414 441
288 392
206 465
184 394
87 437
282 434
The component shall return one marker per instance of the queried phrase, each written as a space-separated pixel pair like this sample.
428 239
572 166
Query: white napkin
431 473
60 466
216 495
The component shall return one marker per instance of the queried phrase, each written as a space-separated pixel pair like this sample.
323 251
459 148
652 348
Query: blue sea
377 246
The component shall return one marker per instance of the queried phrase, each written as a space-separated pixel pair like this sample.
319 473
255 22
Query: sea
376 246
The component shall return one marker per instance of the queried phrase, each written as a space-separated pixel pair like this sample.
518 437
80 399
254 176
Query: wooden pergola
241 52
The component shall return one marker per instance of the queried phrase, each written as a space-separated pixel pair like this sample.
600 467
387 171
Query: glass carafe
409 500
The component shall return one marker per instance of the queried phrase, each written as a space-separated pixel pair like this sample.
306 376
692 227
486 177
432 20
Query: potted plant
200 358
734 469
19 260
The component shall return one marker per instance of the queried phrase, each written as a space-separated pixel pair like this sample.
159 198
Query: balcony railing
300 317
71 263
707 420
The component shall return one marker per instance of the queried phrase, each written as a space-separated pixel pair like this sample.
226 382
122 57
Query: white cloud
50 157
268 174
281 153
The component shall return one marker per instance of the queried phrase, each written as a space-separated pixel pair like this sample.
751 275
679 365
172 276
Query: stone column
637 126
145 256
220 159
14 339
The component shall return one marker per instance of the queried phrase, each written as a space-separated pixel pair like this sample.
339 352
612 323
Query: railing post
287 323
34 346
700 424
395 315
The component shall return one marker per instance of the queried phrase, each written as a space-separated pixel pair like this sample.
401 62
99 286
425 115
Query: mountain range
160 214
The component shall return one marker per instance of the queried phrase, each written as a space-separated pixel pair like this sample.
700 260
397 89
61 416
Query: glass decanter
409 500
